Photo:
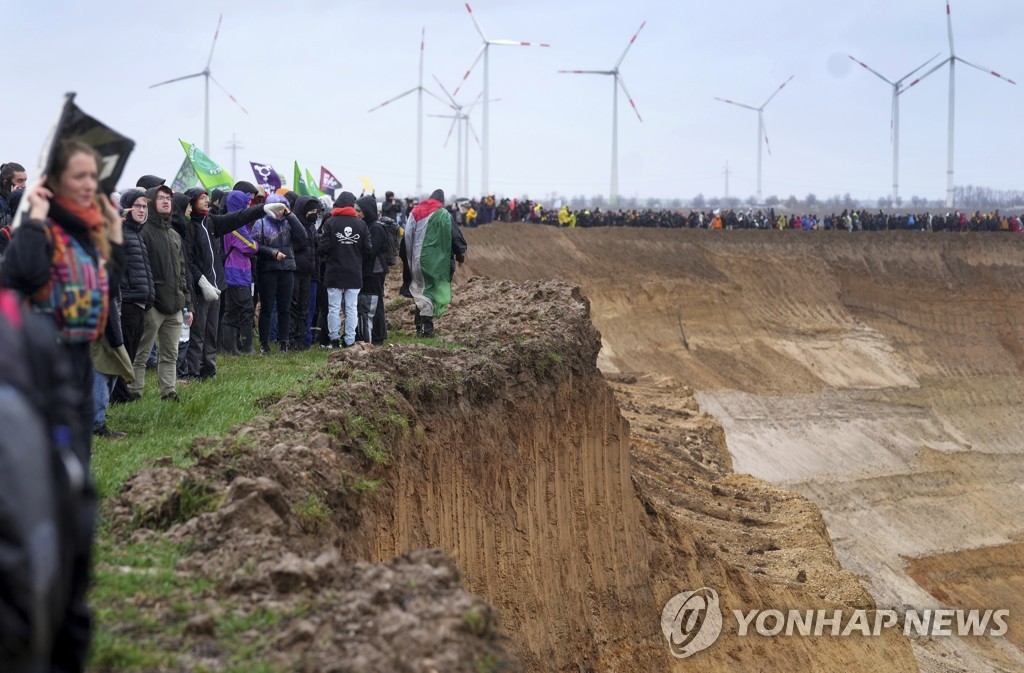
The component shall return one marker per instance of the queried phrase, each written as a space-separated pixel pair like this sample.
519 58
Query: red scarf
91 215
347 210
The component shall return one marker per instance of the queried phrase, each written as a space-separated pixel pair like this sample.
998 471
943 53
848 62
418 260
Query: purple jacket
239 249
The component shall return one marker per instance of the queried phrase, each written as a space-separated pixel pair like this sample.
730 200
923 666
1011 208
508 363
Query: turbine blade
476 60
478 28
479 100
454 104
176 79
870 69
781 87
986 70
233 99
587 72
473 130
626 51
517 43
766 143
732 102
900 80
392 100
949 24
452 127
916 81
622 84
213 45
437 98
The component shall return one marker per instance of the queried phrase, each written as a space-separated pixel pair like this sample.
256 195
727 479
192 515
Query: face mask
311 216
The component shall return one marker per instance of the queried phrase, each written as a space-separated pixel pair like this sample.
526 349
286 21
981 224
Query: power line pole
234 146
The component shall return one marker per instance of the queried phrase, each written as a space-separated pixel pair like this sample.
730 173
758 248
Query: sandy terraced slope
880 375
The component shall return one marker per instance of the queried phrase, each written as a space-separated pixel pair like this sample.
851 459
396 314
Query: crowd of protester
98 288
475 212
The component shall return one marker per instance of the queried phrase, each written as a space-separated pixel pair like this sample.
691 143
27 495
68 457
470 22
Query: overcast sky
308 71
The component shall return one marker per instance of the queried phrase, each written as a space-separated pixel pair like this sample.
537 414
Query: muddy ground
485 502
877 374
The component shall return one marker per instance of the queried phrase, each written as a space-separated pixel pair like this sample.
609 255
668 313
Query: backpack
40 483
389 251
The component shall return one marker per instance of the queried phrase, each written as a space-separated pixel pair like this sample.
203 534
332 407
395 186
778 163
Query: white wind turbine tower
206 73
953 58
419 90
897 86
761 133
485 51
461 120
617 82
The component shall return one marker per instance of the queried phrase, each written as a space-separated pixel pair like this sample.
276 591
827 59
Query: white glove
210 292
276 210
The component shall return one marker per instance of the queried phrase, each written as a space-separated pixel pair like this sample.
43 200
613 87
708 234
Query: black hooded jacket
372 262
167 261
305 256
344 242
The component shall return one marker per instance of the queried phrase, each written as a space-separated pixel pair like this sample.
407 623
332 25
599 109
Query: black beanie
437 194
345 200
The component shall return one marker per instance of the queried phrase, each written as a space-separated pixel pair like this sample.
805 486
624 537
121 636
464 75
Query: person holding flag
58 257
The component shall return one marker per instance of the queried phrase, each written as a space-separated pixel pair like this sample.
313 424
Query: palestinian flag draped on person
428 244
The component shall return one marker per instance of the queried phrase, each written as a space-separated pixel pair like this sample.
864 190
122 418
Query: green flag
209 173
301 188
314 190
186 177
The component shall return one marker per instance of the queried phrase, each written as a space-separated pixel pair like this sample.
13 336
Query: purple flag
266 177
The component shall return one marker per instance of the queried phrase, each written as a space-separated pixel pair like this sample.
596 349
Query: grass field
131 578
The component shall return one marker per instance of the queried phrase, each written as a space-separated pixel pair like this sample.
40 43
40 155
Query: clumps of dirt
684 476
271 513
409 614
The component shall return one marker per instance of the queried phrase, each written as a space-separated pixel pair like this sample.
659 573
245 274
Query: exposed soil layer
504 447
877 374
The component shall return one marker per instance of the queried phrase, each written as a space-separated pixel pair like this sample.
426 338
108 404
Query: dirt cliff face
878 374
505 447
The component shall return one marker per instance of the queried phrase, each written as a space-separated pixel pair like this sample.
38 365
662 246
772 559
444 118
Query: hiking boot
335 344
104 431
427 327
284 348
171 397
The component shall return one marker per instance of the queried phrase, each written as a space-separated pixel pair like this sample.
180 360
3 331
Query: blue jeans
335 296
101 387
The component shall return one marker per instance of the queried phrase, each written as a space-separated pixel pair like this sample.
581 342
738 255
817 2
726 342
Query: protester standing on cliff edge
428 245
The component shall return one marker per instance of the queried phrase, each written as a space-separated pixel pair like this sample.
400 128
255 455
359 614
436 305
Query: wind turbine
613 198
465 126
485 51
419 90
206 73
897 86
761 132
953 58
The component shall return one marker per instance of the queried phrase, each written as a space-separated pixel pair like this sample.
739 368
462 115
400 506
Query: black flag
74 124
113 148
